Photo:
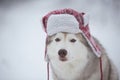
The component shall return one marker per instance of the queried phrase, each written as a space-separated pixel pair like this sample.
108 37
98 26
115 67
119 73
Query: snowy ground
22 38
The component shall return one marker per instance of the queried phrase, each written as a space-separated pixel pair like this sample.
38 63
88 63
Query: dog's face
66 47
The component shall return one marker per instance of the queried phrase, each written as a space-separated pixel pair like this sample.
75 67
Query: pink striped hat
69 20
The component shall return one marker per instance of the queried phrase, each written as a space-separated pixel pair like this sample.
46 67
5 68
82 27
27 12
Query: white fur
72 68
62 22
81 63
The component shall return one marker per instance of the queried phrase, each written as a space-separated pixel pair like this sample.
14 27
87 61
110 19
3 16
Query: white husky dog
72 58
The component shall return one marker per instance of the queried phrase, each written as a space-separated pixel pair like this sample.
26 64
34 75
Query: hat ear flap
47 58
86 19
44 23
46 55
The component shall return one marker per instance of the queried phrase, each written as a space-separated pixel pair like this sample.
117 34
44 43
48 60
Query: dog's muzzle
62 54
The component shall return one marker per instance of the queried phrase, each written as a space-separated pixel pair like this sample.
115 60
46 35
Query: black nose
62 52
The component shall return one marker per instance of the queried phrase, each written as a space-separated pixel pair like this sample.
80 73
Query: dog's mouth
62 58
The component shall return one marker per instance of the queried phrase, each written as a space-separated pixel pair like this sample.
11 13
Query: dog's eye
72 40
57 39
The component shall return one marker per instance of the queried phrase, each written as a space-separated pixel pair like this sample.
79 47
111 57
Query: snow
22 37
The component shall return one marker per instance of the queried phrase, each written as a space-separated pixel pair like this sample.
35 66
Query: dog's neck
74 70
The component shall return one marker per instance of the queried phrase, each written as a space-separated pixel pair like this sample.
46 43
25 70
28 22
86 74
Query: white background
22 38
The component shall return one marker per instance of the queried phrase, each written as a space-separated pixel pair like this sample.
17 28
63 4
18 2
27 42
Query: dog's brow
65 35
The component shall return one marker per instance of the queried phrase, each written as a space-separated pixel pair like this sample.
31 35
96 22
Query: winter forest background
22 38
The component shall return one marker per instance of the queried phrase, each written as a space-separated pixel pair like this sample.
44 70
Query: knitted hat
71 21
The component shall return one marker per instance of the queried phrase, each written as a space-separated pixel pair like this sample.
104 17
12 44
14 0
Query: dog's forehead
64 35
60 34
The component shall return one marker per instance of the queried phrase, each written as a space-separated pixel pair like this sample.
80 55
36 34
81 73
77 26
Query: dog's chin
63 59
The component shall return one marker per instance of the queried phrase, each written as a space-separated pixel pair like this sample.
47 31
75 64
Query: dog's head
67 47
